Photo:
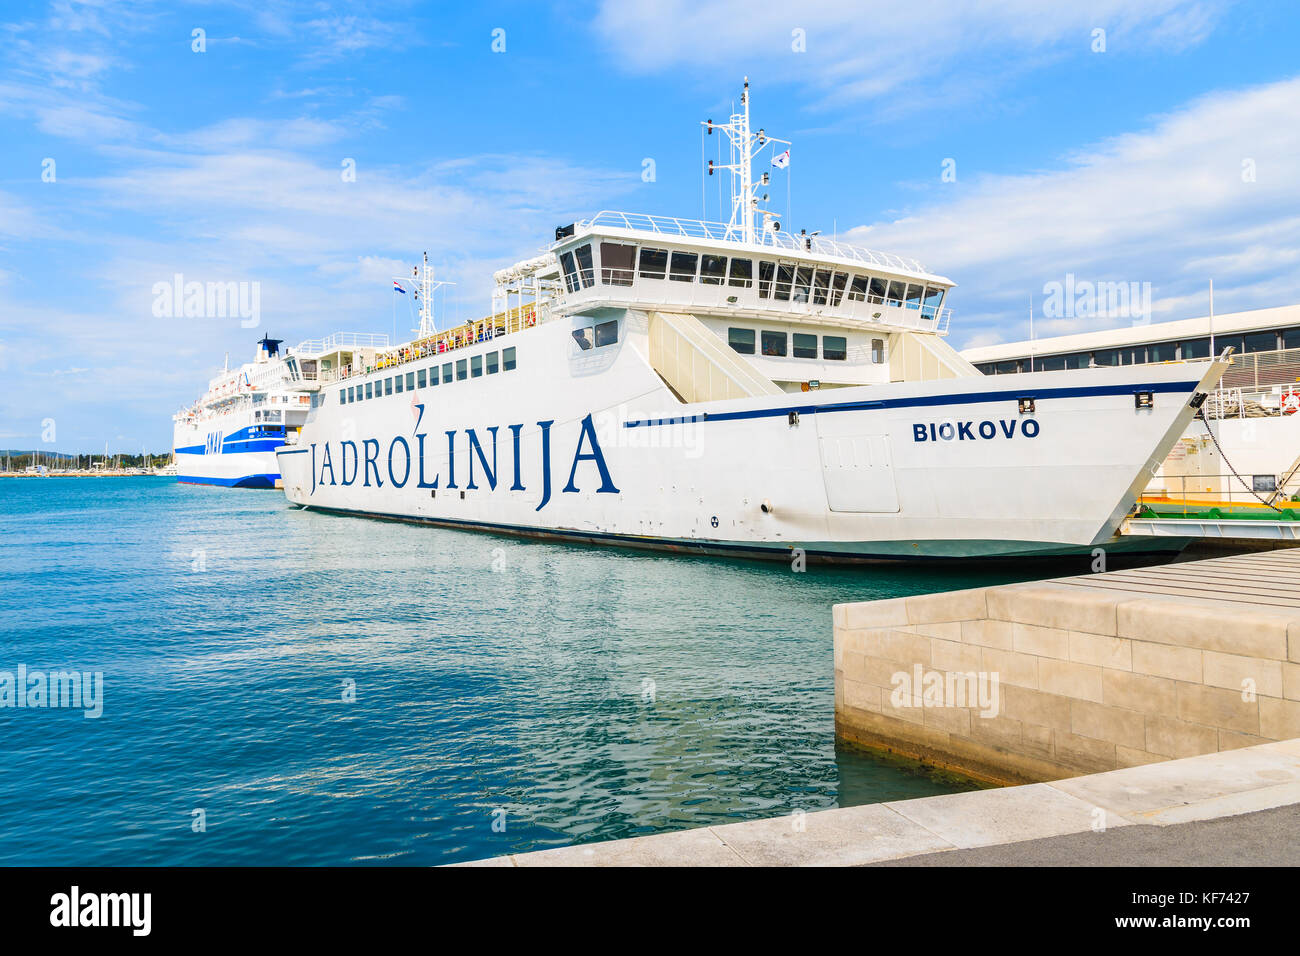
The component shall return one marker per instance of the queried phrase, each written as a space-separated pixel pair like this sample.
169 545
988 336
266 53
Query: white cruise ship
230 435
731 388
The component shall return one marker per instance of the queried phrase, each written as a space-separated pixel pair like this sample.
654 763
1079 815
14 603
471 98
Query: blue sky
1121 164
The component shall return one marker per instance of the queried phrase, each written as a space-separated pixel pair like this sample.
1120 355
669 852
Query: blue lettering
451 460
1024 428
595 455
372 461
964 432
546 462
419 439
918 433
344 446
1008 427
475 447
406 475
988 429
326 462
515 429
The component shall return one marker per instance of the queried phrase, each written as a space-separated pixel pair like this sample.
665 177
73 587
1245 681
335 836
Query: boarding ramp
925 357
697 365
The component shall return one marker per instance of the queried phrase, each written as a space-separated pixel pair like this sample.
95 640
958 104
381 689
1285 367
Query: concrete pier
1086 674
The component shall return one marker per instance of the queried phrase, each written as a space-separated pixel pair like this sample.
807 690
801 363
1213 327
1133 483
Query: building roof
1177 331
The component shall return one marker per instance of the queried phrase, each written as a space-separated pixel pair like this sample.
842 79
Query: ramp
697 365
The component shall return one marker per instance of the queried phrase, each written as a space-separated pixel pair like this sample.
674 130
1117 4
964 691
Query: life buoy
1290 403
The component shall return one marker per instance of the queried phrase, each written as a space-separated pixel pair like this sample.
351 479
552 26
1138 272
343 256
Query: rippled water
590 693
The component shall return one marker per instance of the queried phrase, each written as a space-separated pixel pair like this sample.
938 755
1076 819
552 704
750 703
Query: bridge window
616 261
774 343
784 282
805 345
586 271
742 273
1106 357
1161 352
683 267
462 370
821 286
446 373
914 293
419 378
835 348
766 270
877 294
933 299
802 283
583 338
508 359
877 351
837 287
570 272
1291 338
607 333
476 366
713 269
742 340
493 361
654 263
858 289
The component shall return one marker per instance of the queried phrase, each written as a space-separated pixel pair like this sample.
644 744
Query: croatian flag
397 287
781 160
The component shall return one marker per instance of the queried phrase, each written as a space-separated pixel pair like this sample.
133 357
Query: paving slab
850 836
698 847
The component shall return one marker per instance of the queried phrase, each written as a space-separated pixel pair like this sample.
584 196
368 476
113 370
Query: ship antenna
745 145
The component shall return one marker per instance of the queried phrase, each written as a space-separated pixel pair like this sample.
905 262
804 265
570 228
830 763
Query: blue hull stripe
229 447
247 481
922 401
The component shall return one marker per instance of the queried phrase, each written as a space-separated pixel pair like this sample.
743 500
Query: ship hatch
858 469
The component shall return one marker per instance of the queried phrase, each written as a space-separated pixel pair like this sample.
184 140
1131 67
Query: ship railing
673 227
342 340
1194 495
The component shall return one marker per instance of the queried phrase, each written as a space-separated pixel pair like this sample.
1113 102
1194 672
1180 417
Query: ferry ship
733 388
230 435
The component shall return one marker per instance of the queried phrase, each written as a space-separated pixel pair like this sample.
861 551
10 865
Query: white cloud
1169 205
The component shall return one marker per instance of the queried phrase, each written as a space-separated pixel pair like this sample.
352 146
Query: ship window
370 389
508 359
877 351
388 386
683 267
742 273
802 284
1049 363
805 345
492 359
583 338
410 381
835 348
837 287
1221 342
616 262
765 272
821 286
784 280
607 333
570 273
1007 368
348 400
342 396
896 292
914 293
774 343
933 299
858 289
420 379
585 271
1194 348
397 384
877 294
713 269
1291 338
654 263
446 373
742 340
476 366
1161 352
462 370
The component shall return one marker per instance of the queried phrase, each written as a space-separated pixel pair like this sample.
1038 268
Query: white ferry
230 435
730 388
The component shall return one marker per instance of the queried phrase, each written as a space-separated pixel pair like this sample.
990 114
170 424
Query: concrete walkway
1096 818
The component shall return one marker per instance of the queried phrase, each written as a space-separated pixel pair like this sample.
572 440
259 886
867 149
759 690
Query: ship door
858 468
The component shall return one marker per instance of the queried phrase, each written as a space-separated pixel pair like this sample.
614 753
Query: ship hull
597 449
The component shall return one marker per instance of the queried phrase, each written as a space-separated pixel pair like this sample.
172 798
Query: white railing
722 232
342 340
